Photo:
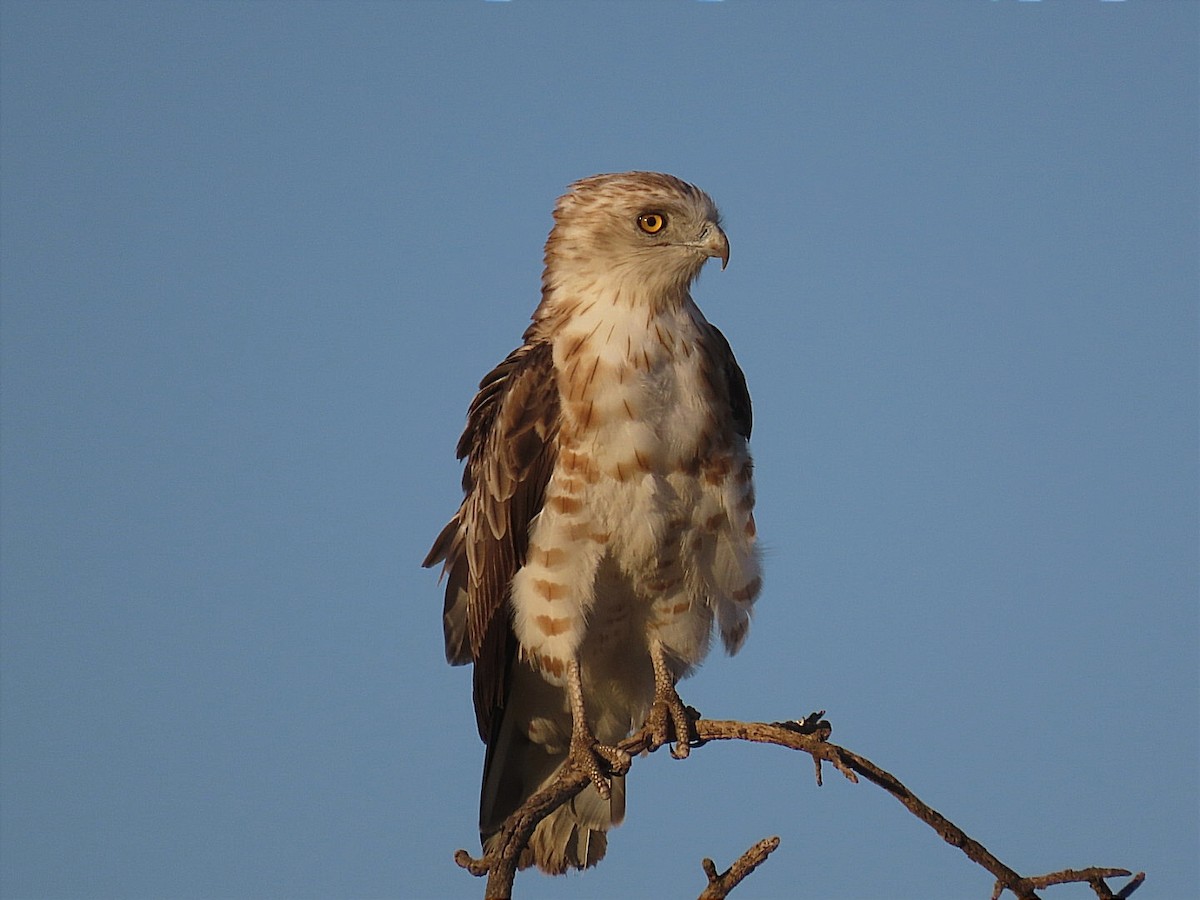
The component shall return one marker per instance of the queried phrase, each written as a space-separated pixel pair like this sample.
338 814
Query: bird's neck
578 300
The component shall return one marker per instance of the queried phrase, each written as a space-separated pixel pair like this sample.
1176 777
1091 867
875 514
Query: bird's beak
716 244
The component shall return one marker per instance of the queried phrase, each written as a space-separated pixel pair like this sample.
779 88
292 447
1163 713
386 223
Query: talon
669 718
600 762
681 725
683 729
618 760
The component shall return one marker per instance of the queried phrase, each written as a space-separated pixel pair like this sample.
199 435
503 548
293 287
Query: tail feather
516 768
574 835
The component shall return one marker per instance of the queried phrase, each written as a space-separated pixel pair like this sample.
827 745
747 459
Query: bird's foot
670 720
600 762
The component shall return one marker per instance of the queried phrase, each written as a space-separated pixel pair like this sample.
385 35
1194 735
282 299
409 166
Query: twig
1094 876
849 763
719 886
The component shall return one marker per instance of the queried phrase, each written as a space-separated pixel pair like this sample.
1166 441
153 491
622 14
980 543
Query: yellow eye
652 223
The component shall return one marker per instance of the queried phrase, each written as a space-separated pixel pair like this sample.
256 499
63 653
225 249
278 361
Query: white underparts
647 523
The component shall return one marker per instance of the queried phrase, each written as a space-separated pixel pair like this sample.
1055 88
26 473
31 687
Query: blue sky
255 257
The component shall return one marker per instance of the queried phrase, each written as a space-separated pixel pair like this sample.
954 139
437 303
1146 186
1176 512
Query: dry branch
719 886
1095 877
810 735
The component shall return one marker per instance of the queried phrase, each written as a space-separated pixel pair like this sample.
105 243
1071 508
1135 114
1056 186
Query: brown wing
509 444
728 369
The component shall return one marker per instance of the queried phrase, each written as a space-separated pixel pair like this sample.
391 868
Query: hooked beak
716 244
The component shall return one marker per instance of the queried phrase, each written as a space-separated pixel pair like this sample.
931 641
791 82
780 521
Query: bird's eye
652 223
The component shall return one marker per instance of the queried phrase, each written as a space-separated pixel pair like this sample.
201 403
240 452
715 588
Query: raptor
607 525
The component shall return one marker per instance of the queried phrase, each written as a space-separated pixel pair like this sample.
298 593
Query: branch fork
809 735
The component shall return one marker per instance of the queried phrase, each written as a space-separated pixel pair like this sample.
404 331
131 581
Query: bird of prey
608 516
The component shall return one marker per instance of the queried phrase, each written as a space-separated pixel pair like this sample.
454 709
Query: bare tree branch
809 735
719 886
1094 876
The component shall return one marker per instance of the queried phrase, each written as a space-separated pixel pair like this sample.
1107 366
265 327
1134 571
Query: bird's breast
634 393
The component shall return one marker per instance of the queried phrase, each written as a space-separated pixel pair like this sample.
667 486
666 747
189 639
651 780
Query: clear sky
256 256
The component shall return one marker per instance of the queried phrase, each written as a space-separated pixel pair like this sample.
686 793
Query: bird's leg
667 705
599 761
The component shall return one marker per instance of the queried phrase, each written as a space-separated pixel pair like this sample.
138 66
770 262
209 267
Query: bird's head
644 232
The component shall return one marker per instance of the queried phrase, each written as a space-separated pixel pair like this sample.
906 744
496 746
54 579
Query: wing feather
509 444
735 381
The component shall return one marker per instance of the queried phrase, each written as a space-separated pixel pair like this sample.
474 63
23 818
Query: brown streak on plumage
749 592
573 346
552 626
571 378
591 376
717 471
549 559
580 464
665 341
567 505
550 590
586 419
552 664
